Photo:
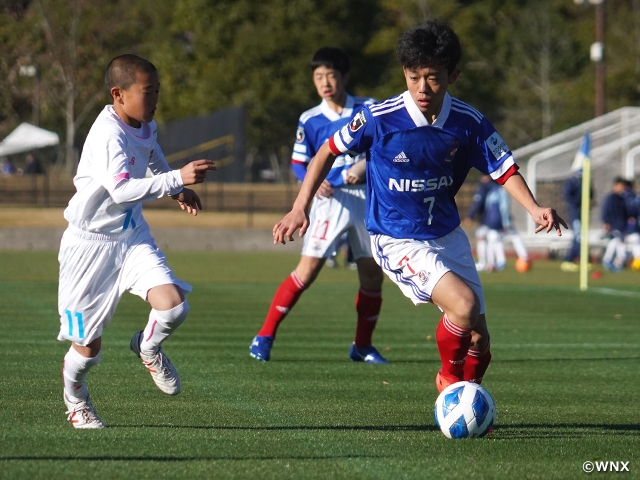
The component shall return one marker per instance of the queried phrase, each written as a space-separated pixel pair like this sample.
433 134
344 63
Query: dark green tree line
525 63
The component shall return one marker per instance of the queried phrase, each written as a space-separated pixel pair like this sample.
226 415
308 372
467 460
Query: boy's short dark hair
331 57
431 44
121 71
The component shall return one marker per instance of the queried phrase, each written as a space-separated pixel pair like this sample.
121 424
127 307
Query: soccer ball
635 265
464 410
523 266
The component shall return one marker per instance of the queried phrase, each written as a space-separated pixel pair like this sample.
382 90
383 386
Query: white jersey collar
418 117
347 111
143 133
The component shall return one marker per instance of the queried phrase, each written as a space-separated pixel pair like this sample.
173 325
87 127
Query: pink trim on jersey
293 160
121 176
505 176
333 147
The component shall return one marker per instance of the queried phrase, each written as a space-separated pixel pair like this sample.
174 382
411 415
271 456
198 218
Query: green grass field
564 377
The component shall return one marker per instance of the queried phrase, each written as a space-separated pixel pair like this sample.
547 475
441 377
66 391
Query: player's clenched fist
195 172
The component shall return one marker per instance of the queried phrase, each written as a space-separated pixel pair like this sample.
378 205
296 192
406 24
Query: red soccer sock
285 298
453 343
476 364
368 304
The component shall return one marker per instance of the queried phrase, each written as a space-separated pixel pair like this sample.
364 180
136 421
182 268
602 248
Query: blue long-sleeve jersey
614 212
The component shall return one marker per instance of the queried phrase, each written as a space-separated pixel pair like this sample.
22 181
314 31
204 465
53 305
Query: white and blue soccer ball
465 410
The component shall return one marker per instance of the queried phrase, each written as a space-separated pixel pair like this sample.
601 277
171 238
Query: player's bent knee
91 350
465 313
177 314
370 274
165 297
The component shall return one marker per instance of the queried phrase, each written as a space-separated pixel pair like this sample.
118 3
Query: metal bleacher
546 164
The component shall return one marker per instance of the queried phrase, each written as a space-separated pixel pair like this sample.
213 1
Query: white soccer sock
162 323
481 250
611 250
495 249
519 247
74 371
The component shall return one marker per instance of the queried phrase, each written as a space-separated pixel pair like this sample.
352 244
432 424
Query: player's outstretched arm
196 171
189 201
297 218
546 218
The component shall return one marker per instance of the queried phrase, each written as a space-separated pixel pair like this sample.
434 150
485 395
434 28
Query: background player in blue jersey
421 145
491 203
339 208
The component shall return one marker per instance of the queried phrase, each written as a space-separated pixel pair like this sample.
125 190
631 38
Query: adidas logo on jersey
401 158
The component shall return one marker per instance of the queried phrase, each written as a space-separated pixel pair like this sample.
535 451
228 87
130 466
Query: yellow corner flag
583 158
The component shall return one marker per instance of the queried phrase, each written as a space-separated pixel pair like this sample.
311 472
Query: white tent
27 137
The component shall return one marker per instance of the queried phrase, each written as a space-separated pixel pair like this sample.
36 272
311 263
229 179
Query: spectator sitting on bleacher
6 166
32 165
632 232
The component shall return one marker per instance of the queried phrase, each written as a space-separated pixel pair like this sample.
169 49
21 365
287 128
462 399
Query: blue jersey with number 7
415 168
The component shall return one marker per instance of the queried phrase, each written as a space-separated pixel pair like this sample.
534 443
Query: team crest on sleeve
300 134
497 145
358 121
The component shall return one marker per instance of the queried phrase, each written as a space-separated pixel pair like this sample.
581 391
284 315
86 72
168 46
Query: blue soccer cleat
367 355
260 348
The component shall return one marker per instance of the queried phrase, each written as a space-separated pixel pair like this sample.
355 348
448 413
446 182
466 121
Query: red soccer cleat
442 383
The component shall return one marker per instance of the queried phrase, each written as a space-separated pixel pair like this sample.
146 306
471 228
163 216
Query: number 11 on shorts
78 316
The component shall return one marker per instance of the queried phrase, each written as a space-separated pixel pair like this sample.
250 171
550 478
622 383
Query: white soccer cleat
82 414
162 371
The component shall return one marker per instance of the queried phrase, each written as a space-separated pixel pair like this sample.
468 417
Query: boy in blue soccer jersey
339 207
421 144
491 203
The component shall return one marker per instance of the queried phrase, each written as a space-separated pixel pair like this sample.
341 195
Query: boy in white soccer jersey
339 207
108 249
421 146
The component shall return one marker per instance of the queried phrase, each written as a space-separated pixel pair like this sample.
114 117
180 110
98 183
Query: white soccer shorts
416 266
96 269
331 217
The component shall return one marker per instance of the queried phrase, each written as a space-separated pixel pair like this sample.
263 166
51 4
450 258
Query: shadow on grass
350 428
182 459
437 361
529 360
562 430
500 433
586 359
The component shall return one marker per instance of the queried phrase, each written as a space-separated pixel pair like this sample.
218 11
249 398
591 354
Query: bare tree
79 38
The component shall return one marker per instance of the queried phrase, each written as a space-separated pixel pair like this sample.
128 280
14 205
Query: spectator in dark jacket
615 216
